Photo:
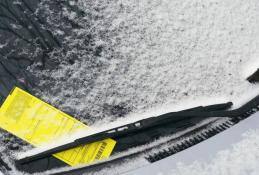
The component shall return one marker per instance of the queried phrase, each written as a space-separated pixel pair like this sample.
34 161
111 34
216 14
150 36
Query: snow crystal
242 159
158 56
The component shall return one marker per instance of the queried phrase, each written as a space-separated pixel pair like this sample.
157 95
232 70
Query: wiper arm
218 110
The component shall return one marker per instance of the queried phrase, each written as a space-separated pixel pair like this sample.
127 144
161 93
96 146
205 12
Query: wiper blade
254 78
172 119
120 131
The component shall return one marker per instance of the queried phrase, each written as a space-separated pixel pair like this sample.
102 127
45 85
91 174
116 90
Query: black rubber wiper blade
218 110
132 127
215 107
254 78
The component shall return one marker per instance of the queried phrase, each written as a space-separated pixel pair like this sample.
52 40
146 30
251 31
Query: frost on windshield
102 60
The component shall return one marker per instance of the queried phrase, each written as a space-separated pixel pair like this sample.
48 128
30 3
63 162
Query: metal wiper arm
218 110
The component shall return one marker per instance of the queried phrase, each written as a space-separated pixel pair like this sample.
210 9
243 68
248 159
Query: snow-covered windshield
117 61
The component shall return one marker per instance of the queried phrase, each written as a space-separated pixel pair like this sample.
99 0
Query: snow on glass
137 58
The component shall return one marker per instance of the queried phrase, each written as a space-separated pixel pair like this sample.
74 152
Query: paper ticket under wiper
39 123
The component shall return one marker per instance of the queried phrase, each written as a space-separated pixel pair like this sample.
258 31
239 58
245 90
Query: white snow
164 52
234 151
168 55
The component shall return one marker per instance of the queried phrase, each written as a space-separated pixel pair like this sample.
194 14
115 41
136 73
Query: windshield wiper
151 128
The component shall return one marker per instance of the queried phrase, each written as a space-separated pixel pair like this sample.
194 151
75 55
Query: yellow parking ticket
39 123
